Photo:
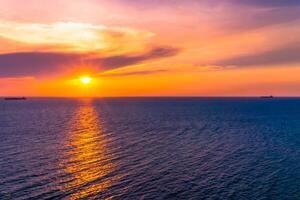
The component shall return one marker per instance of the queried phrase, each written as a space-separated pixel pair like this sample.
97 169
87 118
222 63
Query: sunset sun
86 80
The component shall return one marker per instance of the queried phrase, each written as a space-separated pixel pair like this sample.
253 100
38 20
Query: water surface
150 148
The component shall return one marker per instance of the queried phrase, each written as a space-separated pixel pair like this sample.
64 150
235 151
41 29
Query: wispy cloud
34 63
268 3
289 54
120 74
126 60
49 49
263 3
50 63
70 36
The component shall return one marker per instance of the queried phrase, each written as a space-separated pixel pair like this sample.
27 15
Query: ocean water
150 148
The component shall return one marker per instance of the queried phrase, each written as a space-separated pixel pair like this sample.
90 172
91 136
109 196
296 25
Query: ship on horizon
267 97
14 98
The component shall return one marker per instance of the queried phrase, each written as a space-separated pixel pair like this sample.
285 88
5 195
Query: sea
150 148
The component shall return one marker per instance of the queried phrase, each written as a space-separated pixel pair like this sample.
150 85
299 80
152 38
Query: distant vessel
15 98
267 97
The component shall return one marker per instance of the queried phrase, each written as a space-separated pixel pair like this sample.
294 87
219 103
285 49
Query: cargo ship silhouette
14 98
267 97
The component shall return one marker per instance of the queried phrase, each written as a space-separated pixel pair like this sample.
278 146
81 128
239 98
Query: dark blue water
150 148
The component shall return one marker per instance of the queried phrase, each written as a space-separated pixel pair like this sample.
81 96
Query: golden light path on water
88 162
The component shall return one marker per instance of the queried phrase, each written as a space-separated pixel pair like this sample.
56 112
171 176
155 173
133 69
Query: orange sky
149 48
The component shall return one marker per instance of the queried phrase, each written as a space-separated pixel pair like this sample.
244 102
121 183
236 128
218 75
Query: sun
86 79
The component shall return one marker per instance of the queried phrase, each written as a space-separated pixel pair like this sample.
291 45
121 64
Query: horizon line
250 96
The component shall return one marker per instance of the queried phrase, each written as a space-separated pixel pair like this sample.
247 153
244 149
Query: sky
149 47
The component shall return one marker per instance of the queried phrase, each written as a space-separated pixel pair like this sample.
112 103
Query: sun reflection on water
89 162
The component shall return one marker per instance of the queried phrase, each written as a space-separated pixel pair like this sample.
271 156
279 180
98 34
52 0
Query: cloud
34 63
247 19
227 15
49 49
180 3
269 3
144 72
73 36
126 60
289 54
49 63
